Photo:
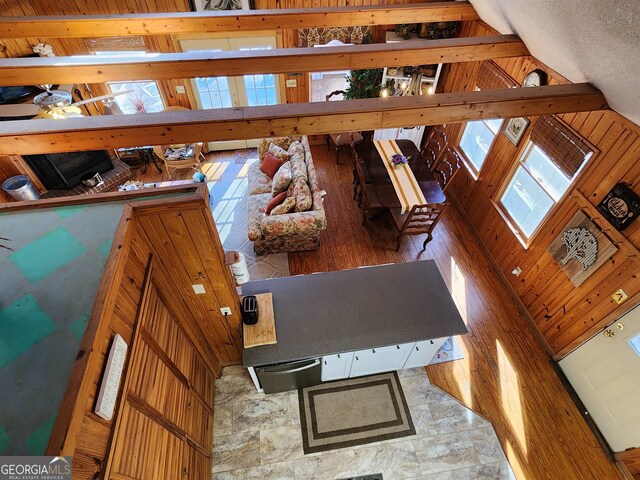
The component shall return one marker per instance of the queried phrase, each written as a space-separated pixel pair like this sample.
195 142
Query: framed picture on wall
213 5
514 129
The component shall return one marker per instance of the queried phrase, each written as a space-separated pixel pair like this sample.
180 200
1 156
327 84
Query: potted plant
363 84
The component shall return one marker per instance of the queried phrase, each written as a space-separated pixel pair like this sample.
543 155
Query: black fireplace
66 170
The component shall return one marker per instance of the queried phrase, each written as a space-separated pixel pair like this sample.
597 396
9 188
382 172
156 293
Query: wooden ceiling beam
89 133
167 66
231 21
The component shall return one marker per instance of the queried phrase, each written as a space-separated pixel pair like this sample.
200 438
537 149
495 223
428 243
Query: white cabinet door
337 366
422 352
376 360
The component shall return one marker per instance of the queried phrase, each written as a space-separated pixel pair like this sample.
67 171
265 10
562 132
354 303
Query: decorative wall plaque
581 248
620 207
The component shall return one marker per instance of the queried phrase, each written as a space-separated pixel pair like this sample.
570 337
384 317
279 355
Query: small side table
144 155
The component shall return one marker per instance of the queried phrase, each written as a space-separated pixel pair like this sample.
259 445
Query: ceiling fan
59 103
56 103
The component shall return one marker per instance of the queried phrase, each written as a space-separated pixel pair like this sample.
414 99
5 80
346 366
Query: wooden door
605 373
164 427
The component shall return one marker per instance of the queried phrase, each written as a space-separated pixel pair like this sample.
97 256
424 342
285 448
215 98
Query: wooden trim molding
114 131
163 66
231 21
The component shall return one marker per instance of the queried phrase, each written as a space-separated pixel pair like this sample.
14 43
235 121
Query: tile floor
258 436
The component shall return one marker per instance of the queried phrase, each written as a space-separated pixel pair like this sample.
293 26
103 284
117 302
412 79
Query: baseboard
505 283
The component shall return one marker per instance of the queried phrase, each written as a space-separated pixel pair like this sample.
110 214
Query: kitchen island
370 308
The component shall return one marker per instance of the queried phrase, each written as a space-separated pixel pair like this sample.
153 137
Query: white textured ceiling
595 41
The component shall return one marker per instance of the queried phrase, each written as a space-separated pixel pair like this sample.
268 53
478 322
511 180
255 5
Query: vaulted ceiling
584 40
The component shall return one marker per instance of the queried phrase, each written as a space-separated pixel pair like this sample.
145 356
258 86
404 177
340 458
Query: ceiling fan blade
101 97
19 110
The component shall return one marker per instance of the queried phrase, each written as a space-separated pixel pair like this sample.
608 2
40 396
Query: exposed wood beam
113 131
60 70
231 21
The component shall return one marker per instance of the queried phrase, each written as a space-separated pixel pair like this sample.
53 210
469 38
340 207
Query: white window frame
109 84
523 154
473 170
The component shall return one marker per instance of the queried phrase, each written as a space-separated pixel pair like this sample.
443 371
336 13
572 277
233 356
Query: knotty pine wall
564 314
78 431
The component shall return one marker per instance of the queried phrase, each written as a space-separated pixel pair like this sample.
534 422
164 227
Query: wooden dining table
381 182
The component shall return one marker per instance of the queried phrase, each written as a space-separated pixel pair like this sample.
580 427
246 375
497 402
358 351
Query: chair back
422 219
434 146
362 180
335 92
447 167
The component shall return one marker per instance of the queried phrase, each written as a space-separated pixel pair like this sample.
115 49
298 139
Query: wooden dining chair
356 181
419 220
447 167
434 147
366 195
341 141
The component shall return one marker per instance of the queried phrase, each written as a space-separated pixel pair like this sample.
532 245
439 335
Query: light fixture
384 93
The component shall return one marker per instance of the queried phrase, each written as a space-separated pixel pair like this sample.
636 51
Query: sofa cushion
259 182
299 167
295 147
256 208
278 152
302 194
270 164
275 201
282 179
285 207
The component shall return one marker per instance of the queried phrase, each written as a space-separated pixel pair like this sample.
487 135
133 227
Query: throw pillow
270 165
278 152
274 202
295 147
302 194
281 179
285 207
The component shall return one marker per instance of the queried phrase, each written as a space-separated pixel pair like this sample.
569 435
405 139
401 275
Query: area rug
353 412
449 351
375 476
228 190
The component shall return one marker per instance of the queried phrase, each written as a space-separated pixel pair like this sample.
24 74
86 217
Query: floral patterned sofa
289 232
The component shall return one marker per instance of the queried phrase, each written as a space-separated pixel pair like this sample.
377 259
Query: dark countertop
335 312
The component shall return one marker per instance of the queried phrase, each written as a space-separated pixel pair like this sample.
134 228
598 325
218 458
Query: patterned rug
353 412
449 351
375 476
228 189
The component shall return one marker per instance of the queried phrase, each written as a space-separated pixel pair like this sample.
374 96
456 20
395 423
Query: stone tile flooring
258 436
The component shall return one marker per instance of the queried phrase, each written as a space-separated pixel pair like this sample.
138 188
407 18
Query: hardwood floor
505 375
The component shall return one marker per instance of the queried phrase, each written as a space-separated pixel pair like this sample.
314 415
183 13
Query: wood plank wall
565 315
78 430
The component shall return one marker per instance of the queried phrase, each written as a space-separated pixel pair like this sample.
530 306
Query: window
260 88
143 96
477 138
549 164
323 83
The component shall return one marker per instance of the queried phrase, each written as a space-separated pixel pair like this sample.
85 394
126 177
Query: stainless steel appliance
289 376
